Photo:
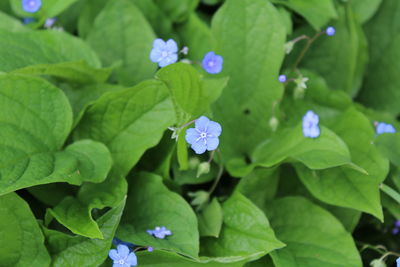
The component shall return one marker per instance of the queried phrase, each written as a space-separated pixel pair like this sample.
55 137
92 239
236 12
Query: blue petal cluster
382 128
31 6
212 63
204 136
310 125
122 257
164 53
159 232
330 31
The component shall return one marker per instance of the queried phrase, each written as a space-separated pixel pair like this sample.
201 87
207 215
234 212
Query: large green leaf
365 9
346 187
162 258
129 39
129 121
250 36
317 12
36 119
340 59
75 72
177 10
190 93
389 145
326 151
210 219
151 204
384 65
313 236
22 242
72 251
22 49
246 233
9 23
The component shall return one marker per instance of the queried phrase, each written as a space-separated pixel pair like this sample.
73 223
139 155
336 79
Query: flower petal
168 60
155 55
132 259
172 46
212 143
214 128
113 254
199 147
123 251
116 264
159 44
202 123
191 135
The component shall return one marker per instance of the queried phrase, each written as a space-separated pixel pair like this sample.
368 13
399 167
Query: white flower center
203 135
164 54
121 261
211 63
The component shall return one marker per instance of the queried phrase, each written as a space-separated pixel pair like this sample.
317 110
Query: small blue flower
150 249
204 136
382 128
159 232
164 53
122 257
330 31
28 20
212 63
49 22
282 78
310 125
31 6
397 223
398 262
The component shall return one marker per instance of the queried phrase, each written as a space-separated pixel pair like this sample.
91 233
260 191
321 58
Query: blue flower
212 63
164 53
398 262
28 20
49 22
31 6
330 31
159 232
122 257
150 249
204 136
310 125
384 128
282 78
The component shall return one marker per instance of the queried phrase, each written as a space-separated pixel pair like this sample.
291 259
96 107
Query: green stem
305 49
390 192
219 175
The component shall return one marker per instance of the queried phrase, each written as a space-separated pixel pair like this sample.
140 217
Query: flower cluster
166 53
310 125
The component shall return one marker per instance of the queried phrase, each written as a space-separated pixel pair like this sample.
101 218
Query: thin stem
301 37
219 175
379 248
211 156
186 124
388 254
305 49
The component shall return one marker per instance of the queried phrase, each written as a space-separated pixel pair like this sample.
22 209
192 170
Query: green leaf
190 93
365 9
389 145
151 204
162 258
72 251
129 39
11 24
49 8
45 47
22 242
128 121
314 237
340 59
36 119
245 234
210 219
260 185
177 10
317 12
75 72
252 65
346 187
196 35
326 151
